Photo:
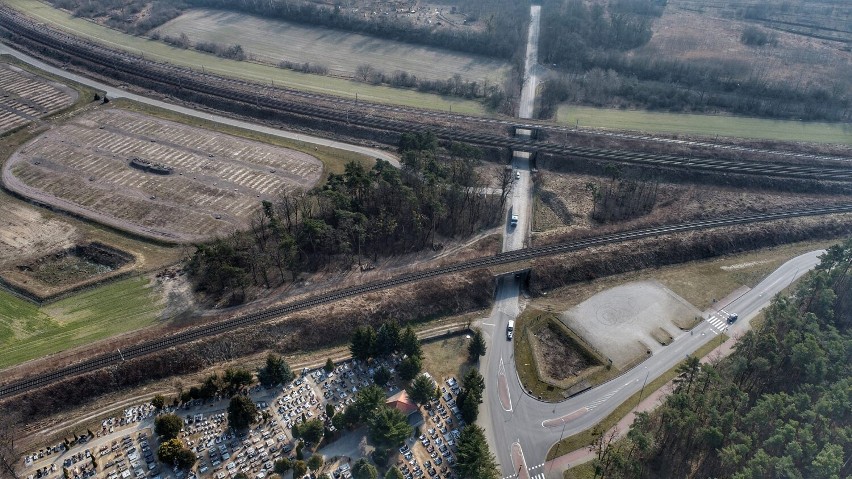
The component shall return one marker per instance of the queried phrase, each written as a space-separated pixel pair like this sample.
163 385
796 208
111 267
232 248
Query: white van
510 329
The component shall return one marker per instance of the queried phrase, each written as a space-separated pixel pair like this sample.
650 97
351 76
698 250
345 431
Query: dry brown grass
662 336
549 372
446 357
339 51
28 97
676 202
709 38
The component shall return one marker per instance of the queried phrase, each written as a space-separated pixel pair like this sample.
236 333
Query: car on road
732 318
510 330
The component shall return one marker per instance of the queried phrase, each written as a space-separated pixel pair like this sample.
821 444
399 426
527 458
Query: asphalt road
113 93
527 102
537 425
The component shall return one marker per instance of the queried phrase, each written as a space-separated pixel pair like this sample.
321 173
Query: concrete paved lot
618 322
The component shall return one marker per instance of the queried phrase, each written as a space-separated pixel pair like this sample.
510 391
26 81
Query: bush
181 41
758 37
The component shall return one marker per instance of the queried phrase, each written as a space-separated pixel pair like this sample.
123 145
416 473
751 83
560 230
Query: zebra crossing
529 470
719 320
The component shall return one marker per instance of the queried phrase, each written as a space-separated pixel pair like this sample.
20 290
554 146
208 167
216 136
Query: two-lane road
536 425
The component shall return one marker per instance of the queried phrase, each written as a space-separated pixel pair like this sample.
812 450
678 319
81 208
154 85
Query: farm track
344 111
195 334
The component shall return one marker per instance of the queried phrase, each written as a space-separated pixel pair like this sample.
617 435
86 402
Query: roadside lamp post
558 445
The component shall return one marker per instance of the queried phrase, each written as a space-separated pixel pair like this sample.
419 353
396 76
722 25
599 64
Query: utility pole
647 372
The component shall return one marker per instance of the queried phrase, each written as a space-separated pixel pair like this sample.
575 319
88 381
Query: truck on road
513 217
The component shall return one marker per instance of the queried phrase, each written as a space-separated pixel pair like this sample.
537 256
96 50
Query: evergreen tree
422 389
315 462
241 412
470 397
394 473
389 427
168 426
363 343
299 468
364 470
382 375
776 407
410 367
409 344
474 460
477 346
276 371
387 339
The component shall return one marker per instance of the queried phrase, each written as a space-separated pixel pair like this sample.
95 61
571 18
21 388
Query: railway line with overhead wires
191 335
280 102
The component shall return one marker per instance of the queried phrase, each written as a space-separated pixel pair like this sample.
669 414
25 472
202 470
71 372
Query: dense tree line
501 38
590 44
777 407
124 15
368 343
454 86
355 215
573 32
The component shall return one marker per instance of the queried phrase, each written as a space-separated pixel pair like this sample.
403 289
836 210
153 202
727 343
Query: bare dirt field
25 97
619 322
26 233
273 41
215 182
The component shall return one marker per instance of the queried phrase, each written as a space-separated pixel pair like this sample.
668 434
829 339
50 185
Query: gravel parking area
618 322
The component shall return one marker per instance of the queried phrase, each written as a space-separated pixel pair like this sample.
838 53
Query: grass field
271 41
246 70
705 125
28 332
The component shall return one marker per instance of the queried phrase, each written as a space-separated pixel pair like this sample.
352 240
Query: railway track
194 334
241 93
